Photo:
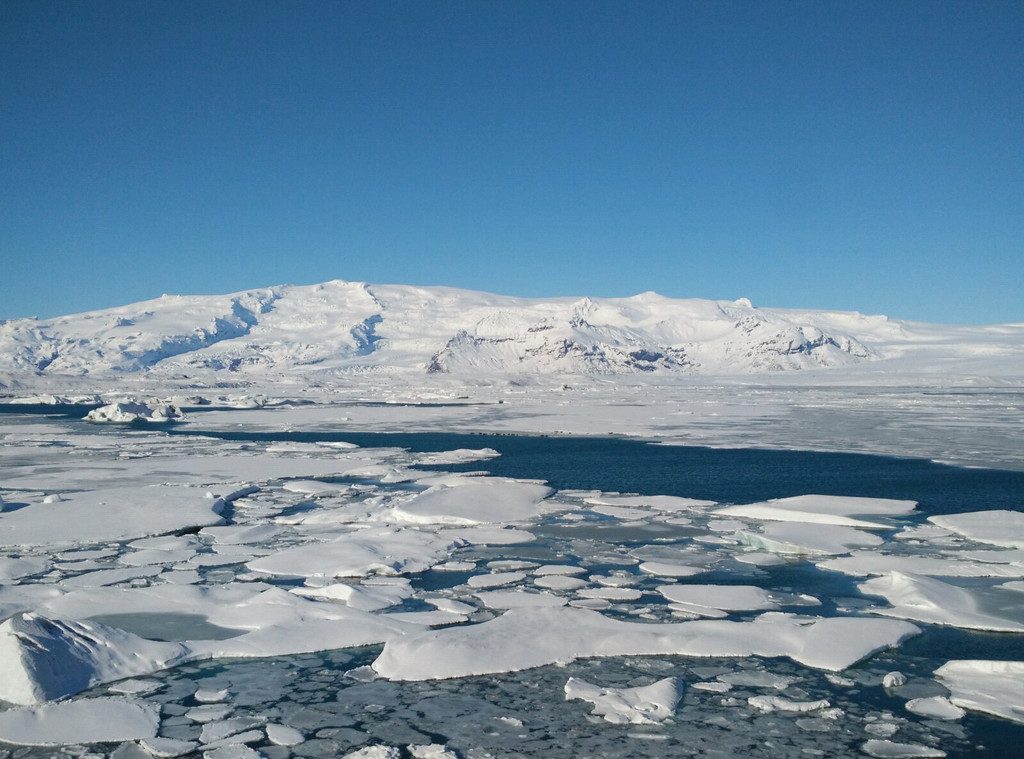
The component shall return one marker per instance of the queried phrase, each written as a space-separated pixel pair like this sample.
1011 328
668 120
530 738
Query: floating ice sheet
562 634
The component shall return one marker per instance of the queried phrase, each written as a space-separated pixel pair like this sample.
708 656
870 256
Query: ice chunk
780 704
91 720
432 751
808 539
133 411
721 597
559 582
894 680
665 569
282 735
558 569
374 752
823 509
998 527
562 634
885 749
210 696
476 500
457 456
993 687
232 751
495 579
935 707
639 706
926 599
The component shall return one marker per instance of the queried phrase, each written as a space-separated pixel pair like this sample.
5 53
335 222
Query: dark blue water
66 410
722 475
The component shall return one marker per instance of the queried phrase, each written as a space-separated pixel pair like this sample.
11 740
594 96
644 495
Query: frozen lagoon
421 550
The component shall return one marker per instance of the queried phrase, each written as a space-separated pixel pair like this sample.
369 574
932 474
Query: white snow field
226 558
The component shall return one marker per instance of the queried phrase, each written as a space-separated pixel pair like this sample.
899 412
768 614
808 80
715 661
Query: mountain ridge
355 327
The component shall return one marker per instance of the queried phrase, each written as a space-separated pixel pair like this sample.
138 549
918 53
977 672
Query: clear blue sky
844 155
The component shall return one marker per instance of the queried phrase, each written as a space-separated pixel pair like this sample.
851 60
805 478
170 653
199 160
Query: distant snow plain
264 550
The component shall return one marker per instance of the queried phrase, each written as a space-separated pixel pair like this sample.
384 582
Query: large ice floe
184 595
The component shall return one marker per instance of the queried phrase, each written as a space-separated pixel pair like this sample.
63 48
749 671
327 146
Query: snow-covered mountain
348 327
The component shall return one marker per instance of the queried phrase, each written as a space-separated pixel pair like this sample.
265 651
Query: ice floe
886 749
935 707
476 500
641 705
780 704
706 600
805 539
92 720
382 550
824 509
999 527
561 634
993 687
925 599
112 514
